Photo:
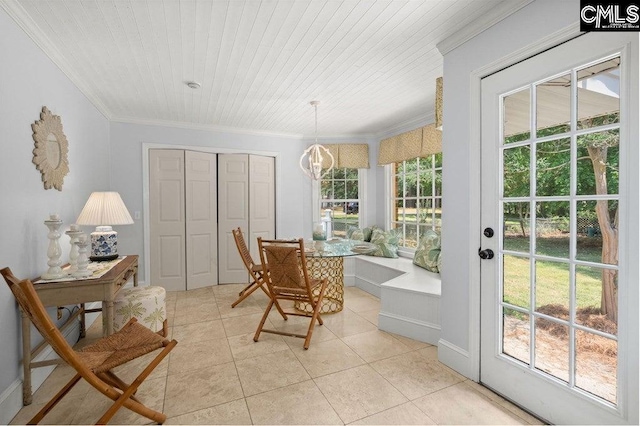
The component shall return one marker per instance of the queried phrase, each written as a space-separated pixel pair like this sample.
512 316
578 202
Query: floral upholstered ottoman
146 304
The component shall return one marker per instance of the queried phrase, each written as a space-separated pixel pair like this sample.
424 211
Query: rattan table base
331 268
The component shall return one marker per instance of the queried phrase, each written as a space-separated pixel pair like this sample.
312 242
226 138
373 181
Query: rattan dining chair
95 362
254 270
287 279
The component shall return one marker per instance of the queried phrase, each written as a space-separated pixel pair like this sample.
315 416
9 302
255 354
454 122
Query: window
417 198
340 199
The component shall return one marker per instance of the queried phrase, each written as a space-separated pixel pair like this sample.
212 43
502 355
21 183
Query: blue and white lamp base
104 244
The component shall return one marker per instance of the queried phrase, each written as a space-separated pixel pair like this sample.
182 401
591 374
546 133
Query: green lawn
552 278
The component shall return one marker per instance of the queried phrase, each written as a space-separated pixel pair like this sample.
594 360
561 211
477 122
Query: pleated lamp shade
104 209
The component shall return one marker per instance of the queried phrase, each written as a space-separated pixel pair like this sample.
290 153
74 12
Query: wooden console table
78 292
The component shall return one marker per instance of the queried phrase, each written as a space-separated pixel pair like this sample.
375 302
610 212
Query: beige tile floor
352 373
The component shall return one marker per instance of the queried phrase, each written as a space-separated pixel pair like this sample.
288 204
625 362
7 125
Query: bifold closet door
167 219
233 212
182 213
262 201
201 226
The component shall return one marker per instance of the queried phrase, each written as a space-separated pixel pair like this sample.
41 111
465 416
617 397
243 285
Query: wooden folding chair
287 279
254 269
95 361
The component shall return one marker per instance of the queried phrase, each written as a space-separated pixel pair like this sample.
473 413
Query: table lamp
104 209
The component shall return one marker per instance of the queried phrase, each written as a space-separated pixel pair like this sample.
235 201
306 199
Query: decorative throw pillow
367 232
440 262
428 251
354 233
387 242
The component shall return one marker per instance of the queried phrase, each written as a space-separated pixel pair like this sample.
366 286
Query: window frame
316 193
391 199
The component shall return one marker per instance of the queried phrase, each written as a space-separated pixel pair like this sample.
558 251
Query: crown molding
207 127
405 126
15 10
497 14
241 131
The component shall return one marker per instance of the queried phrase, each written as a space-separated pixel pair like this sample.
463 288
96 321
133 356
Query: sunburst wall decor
50 153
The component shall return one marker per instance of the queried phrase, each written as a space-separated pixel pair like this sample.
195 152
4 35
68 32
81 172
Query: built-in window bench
409 295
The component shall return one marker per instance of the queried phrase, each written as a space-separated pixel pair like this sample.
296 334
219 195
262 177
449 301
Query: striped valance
348 155
420 142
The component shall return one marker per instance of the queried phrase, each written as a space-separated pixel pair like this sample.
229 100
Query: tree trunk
521 217
609 230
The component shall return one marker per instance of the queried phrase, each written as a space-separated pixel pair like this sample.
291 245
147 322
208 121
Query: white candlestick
73 253
54 251
83 259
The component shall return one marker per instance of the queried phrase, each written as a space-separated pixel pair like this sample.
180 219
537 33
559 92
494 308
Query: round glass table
325 259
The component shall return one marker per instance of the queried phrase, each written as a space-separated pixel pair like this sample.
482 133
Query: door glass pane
552 288
516 165
596 364
590 283
553 167
552 228
516 227
517 278
599 94
516 116
516 335
598 163
552 348
590 244
553 106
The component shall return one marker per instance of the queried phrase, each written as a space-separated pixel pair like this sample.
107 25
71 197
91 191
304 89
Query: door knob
485 254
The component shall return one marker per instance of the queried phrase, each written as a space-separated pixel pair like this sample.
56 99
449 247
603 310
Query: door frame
146 146
469 363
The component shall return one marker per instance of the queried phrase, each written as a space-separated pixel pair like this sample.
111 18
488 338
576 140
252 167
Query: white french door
559 279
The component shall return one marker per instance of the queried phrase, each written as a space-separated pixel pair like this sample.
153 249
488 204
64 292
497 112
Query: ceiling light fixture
311 161
193 85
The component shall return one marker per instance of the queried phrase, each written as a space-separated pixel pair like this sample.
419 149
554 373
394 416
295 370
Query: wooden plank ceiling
371 64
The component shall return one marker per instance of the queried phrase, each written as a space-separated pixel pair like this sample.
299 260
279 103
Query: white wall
29 81
461 228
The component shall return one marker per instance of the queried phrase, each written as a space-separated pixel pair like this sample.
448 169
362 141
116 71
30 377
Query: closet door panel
262 200
201 226
166 217
233 211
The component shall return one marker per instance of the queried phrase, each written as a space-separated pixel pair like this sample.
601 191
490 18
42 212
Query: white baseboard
368 286
454 357
11 398
408 327
10 402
